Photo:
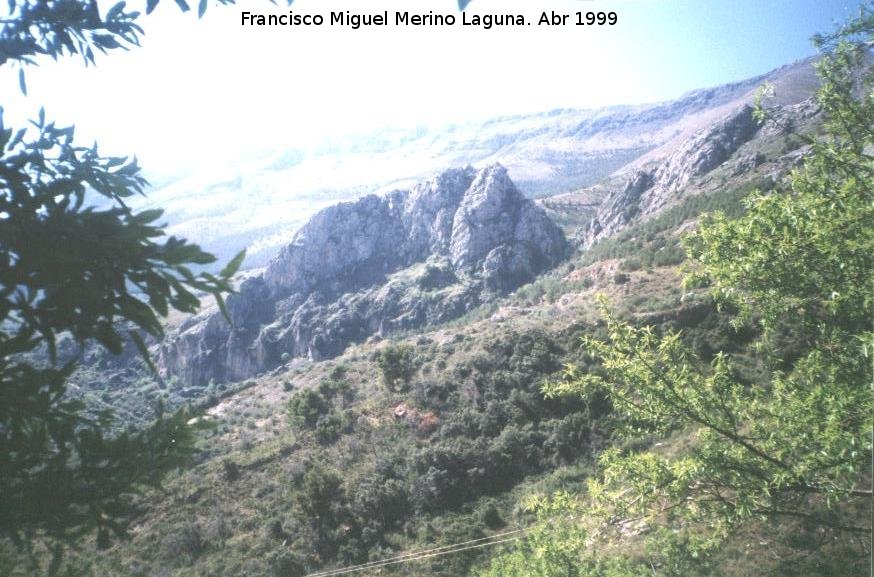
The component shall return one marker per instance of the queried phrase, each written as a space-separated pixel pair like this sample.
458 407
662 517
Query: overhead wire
414 554
426 553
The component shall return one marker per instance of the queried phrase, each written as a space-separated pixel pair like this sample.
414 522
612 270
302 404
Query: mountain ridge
262 204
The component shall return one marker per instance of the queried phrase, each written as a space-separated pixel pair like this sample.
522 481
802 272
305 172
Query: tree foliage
798 446
57 28
78 264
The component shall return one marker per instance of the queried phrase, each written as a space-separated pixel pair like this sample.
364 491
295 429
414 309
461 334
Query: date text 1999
596 18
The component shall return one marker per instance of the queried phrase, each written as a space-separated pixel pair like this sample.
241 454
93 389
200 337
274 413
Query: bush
436 275
187 543
569 438
621 278
631 264
306 407
490 516
329 427
336 386
320 493
397 366
275 531
285 564
380 503
230 471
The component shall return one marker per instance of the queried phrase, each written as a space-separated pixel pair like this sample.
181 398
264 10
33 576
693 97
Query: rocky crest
647 191
395 261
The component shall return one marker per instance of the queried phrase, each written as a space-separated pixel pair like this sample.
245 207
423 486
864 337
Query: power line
426 553
408 559
415 554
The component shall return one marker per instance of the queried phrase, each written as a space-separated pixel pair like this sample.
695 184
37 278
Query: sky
204 92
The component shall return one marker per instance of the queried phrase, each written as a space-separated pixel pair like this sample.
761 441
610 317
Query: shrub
397 366
321 496
631 264
217 530
490 516
230 471
435 276
306 407
186 544
328 428
335 386
285 564
275 531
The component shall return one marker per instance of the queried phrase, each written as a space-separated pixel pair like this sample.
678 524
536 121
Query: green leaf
147 216
115 11
144 351
21 82
159 302
222 307
232 267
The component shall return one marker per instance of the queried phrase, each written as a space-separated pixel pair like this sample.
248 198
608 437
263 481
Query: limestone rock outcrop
649 190
384 262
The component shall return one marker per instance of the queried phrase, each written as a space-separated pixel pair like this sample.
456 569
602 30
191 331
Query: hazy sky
208 91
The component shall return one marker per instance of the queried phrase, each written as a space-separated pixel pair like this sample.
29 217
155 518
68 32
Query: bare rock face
396 261
618 209
703 152
648 191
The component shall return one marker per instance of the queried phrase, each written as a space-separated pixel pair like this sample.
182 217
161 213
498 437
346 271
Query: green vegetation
397 365
323 410
359 471
78 266
474 426
652 243
792 447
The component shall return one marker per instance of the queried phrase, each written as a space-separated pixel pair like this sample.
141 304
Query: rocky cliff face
399 260
649 190
646 191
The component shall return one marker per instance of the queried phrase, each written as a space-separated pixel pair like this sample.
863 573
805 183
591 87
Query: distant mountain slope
262 204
